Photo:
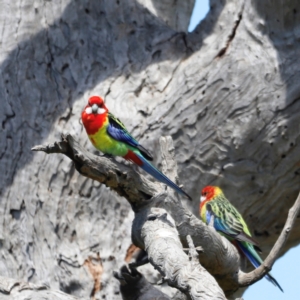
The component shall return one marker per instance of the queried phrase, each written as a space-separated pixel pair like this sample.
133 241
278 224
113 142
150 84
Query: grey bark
154 230
228 94
166 254
18 290
219 256
134 286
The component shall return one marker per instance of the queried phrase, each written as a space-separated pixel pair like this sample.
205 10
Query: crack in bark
140 87
232 35
171 78
7 118
185 40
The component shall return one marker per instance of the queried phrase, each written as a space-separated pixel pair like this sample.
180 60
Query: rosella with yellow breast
109 135
217 211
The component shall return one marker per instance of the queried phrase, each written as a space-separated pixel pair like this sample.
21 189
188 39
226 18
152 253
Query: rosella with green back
217 211
109 135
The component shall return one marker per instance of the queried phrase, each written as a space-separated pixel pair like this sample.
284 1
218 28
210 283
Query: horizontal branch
246 279
136 188
219 256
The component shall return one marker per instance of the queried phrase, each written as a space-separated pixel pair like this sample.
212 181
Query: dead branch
117 176
161 223
219 257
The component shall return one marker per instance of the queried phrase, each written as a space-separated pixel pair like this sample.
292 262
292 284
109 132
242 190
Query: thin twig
246 279
194 256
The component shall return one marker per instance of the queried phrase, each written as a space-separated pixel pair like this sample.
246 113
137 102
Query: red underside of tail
133 157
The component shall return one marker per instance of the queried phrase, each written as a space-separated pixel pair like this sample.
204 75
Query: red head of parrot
94 114
208 193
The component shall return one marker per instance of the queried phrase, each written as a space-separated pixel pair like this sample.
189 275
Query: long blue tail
255 259
149 168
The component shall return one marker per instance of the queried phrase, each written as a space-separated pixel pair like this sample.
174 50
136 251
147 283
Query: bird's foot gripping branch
161 225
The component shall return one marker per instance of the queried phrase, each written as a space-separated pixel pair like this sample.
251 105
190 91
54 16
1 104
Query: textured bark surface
18 290
228 94
133 285
161 236
162 239
164 249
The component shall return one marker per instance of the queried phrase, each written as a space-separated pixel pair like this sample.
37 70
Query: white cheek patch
101 111
88 110
202 198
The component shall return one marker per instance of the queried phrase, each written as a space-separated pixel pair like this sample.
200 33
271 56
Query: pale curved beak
95 108
202 198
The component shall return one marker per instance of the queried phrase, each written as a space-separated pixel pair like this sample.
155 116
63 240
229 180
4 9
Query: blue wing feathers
121 135
208 216
219 226
224 224
117 131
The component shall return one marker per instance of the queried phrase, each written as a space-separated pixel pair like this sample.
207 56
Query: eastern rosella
217 211
109 135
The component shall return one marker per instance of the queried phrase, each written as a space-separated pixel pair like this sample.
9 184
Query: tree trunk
228 94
